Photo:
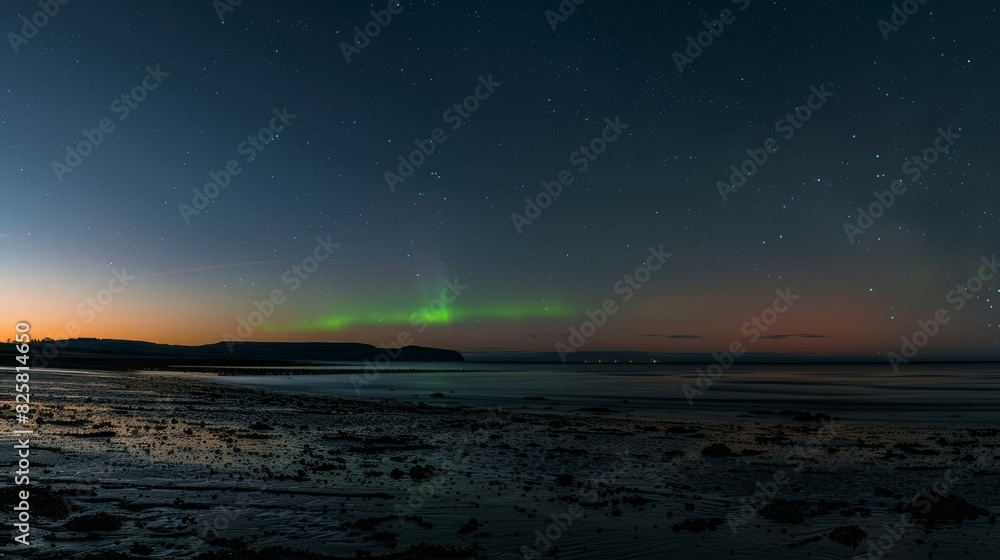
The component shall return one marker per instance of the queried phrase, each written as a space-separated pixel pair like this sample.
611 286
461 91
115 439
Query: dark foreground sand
142 466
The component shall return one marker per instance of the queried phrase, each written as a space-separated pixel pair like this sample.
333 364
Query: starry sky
99 244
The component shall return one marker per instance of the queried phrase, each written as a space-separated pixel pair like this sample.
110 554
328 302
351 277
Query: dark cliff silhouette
94 353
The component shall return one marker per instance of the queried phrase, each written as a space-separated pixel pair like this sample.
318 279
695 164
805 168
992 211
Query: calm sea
934 393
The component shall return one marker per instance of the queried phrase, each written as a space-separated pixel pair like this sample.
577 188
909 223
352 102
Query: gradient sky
323 176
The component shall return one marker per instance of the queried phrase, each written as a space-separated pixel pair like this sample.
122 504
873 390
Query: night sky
544 94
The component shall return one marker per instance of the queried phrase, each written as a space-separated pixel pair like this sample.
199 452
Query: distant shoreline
239 371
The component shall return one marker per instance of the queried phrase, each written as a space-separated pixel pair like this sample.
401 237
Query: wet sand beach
131 465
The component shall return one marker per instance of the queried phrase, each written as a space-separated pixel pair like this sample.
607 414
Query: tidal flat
130 465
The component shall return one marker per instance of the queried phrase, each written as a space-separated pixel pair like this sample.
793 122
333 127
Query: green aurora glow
441 315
